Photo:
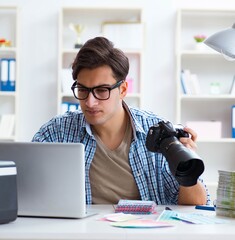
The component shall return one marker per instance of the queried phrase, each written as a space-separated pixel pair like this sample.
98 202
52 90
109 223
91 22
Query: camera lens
185 168
184 163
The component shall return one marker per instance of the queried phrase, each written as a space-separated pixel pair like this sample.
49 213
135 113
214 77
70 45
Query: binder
69 106
12 73
7 74
4 74
233 121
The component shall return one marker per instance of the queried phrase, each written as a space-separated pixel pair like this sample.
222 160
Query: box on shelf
125 35
206 129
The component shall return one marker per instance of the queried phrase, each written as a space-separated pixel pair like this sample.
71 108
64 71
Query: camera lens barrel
184 163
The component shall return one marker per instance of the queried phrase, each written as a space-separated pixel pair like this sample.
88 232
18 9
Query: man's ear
123 89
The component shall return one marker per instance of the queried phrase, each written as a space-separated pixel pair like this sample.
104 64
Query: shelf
94 20
207 97
9 100
7 94
11 138
199 52
75 51
207 68
221 140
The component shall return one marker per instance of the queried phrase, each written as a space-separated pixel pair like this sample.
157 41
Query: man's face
100 112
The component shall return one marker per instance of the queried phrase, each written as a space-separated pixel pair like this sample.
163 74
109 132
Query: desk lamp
223 42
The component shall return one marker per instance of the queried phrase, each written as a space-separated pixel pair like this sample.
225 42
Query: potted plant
199 39
4 43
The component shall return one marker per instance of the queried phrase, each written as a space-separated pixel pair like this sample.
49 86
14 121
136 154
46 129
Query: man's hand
191 141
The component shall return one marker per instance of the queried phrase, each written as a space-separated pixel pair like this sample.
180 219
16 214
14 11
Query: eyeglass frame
91 90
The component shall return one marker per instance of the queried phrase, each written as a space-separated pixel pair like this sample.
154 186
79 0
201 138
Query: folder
12 73
7 76
4 74
233 121
69 106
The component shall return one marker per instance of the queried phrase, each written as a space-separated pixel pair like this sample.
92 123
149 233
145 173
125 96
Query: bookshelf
101 21
9 86
215 76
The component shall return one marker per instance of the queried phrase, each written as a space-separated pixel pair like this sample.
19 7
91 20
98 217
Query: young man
118 164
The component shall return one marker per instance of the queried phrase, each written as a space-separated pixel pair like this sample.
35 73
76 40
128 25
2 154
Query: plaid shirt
150 170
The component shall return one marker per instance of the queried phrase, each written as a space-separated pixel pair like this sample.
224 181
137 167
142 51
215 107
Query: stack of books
225 203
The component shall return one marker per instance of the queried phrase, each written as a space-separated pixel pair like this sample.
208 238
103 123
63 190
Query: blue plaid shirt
150 170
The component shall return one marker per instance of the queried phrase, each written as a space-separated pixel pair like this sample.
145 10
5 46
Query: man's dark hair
99 52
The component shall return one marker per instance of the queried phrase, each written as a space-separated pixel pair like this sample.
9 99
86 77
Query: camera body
161 131
184 163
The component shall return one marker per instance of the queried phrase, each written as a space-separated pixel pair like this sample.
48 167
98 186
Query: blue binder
69 106
233 121
7 74
4 74
12 73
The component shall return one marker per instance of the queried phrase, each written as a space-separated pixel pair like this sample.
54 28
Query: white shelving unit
9 29
210 67
94 21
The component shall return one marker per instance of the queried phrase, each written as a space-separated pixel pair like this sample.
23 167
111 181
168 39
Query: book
189 83
196 88
232 88
66 81
7 125
136 206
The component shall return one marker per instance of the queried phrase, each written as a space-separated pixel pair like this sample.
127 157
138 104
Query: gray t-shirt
110 173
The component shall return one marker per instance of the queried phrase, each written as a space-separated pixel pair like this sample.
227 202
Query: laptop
50 178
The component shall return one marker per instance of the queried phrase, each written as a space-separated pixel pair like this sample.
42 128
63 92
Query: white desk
92 228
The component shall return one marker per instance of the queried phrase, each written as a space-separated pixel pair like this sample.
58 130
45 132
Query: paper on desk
193 218
119 217
198 218
141 223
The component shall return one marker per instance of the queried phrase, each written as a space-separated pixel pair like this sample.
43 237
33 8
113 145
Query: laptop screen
50 178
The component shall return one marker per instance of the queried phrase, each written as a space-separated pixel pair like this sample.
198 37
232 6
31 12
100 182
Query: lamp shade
223 42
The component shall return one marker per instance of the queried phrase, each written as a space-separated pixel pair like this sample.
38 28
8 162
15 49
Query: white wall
39 57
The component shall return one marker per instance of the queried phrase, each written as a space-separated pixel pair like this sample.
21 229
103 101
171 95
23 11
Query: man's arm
194 195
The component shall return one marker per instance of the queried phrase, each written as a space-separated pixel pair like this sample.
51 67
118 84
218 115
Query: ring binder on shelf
233 121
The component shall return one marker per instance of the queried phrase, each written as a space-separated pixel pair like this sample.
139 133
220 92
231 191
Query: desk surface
92 228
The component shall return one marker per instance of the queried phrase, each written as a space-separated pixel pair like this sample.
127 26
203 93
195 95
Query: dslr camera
184 163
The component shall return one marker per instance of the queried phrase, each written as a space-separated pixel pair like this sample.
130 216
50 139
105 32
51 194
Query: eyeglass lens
99 92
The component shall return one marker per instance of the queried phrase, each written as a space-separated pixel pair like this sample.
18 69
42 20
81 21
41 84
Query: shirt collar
136 127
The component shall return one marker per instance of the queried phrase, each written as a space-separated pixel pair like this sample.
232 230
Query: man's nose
91 100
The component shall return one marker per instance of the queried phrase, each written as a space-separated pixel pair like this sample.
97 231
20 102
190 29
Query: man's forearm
194 195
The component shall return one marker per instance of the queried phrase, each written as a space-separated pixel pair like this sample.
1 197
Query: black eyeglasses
100 92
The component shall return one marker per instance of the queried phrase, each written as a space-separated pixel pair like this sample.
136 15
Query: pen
167 208
205 207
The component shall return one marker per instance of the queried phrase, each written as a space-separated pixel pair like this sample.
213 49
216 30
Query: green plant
199 38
